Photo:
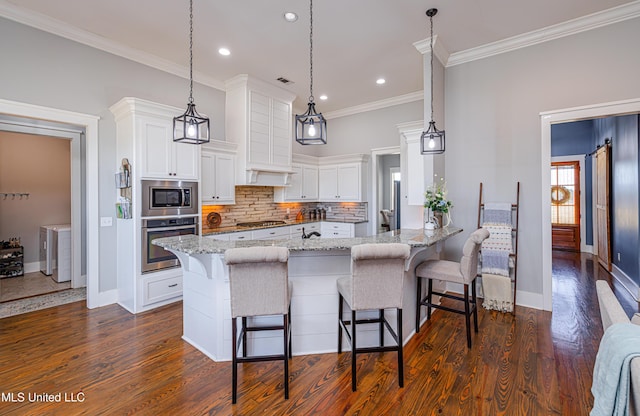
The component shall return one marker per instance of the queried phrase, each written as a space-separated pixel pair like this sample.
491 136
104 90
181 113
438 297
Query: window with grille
565 193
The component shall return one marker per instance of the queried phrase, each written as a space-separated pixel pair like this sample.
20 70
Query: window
565 193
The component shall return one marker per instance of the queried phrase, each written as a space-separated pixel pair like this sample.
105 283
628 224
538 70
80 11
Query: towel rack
515 210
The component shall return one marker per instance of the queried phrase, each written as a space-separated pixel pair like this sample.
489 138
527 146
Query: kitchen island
314 267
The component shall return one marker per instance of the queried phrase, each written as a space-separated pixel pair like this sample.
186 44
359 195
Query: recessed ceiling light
290 16
224 51
323 97
380 81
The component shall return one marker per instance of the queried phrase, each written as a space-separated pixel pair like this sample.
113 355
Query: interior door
602 205
565 205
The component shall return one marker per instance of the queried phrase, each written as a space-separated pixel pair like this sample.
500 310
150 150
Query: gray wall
42 69
493 122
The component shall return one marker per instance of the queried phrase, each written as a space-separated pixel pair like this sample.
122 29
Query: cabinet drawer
337 230
219 237
271 233
156 290
243 235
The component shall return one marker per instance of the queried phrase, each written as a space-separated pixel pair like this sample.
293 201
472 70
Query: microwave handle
186 198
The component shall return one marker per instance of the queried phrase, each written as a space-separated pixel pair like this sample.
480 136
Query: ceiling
355 41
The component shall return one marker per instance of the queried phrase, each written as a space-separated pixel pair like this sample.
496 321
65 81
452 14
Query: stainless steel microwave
164 198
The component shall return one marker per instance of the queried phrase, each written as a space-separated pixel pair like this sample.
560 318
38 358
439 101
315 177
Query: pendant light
432 140
191 127
311 127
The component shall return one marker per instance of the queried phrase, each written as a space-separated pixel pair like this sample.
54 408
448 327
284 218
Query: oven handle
171 228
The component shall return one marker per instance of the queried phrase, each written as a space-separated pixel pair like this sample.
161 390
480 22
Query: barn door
602 205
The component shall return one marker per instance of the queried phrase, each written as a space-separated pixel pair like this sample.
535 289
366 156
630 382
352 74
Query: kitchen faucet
311 234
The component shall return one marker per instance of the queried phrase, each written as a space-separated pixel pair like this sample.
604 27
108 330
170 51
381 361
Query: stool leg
467 314
475 305
381 329
353 350
234 363
289 333
285 318
339 324
429 295
418 303
244 336
400 346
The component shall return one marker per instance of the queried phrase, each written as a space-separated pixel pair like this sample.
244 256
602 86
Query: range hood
259 119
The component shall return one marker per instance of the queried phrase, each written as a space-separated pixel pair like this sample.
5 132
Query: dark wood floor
115 363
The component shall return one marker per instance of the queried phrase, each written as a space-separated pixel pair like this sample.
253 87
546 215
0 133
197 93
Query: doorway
548 119
385 189
84 171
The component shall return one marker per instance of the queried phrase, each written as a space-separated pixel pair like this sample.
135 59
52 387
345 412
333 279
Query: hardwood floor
112 362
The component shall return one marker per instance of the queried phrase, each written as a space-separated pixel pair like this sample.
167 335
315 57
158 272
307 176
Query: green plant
435 198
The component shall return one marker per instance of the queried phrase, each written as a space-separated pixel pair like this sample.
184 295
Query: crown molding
376 105
441 52
56 27
568 28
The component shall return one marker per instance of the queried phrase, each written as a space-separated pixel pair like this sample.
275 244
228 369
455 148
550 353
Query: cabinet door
186 160
208 184
348 182
328 183
310 183
225 179
156 139
294 191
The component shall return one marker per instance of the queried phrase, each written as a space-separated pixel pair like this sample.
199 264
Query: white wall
493 123
51 71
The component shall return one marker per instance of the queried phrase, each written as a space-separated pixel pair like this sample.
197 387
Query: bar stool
377 276
464 272
258 278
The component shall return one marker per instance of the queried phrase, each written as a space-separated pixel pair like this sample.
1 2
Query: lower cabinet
326 229
160 289
343 230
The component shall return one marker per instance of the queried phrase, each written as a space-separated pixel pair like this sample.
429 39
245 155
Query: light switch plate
106 221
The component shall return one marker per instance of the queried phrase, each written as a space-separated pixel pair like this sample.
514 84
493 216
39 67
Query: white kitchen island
314 267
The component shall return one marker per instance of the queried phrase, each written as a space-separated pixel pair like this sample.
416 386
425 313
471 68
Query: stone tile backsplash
255 203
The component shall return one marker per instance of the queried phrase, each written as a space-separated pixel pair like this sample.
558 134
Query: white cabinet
296 230
218 185
343 182
275 233
343 230
259 120
160 156
303 187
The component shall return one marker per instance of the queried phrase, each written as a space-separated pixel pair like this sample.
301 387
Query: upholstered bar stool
464 272
258 278
377 275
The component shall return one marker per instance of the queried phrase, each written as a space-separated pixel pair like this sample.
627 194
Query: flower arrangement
435 198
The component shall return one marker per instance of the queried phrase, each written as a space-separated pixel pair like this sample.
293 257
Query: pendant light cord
190 51
431 42
311 51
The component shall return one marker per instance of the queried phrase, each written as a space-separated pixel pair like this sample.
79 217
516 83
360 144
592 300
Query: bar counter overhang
314 267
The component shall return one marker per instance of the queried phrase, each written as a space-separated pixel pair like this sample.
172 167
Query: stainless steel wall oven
157 258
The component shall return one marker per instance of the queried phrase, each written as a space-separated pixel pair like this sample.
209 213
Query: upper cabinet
259 120
343 178
218 165
149 140
303 186
161 157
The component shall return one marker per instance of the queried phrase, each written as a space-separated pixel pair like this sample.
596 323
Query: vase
438 217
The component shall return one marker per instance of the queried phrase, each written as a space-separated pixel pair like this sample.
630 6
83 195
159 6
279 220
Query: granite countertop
193 244
234 229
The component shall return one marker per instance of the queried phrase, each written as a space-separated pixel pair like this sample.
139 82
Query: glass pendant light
432 140
311 127
191 127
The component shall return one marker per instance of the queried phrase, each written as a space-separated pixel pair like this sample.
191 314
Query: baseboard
626 282
32 267
526 299
587 249
105 298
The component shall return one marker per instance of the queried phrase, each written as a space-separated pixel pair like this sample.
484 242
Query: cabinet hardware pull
173 285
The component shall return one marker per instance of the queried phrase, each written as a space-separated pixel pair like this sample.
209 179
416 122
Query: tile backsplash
255 203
